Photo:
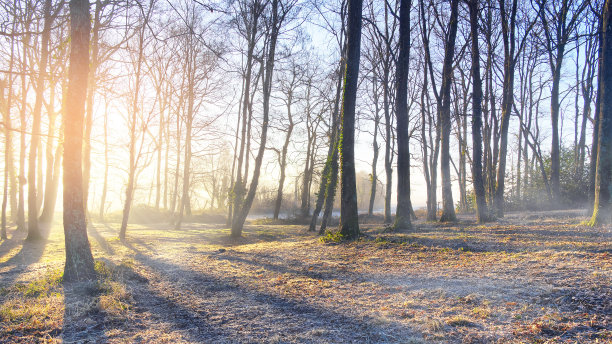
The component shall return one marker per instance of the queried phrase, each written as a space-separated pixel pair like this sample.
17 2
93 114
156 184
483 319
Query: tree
558 33
135 125
249 15
430 165
33 230
349 220
79 260
278 16
402 215
7 136
602 209
448 207
288 88
482 214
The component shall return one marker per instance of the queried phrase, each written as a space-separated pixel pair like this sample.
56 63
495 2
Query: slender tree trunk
327 188
185 205
91 91
388 141
131 185
554 115
374 176
482 213
283 160
305 195
49 196
9 170
159 159
105 183
243 210
23 125
239 185
79 260
33 229
7 145
596 122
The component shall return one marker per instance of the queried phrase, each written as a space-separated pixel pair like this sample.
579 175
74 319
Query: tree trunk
602 209
22 149
349 221
388 141
596 123
131 185
105 183
448 206
79 260
50 196
91 91
33 229
283 159
482 213
242 211
239 185
402 214
327 188
374 176
7 136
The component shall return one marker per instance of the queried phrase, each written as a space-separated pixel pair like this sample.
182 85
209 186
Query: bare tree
559 21
33 230
482 213
448 207
279 12
402 216
349 220
603 195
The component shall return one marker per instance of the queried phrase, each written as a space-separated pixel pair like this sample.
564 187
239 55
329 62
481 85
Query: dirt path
540 277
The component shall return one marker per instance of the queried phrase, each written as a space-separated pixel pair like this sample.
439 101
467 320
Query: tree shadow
7 245
227 311
254 260
30 253
93 231
510 236
83 323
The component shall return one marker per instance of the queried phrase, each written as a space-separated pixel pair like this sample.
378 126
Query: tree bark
602 209
448 206
482 213
402 214
79 260
349 221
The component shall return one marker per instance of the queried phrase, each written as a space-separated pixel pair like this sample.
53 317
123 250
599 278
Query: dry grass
529 278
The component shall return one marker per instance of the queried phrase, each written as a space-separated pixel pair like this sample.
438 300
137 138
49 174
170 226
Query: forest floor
529 278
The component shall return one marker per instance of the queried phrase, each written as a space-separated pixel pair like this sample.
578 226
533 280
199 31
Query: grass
438 283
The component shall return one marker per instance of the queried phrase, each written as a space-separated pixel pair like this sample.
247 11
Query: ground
529 278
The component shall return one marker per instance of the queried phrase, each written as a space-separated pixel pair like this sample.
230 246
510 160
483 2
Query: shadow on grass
513 237
93 231
224 311
82 322
254 261
7 245
30 253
